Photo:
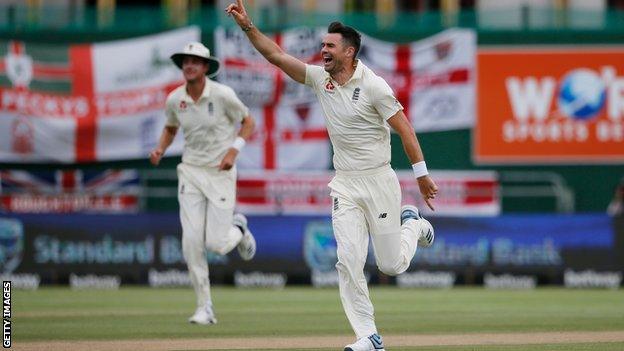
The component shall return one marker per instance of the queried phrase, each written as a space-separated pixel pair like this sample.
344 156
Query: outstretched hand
428 189
239 13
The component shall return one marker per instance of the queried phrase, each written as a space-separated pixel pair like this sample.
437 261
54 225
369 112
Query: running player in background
358 106
208 114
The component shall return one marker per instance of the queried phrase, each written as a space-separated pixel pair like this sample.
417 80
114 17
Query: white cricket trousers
207 197
368 202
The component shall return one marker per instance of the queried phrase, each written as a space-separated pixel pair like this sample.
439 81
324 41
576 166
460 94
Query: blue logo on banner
582 94
319 246
11 244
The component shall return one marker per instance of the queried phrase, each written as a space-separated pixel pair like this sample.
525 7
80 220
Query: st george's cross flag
87 102
433 78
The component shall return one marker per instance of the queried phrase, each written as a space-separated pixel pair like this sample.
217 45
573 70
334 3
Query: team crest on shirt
329 87
356 94
183 106
210 108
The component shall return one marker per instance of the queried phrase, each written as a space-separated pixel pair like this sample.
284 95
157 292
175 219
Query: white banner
139 64
434 78
132 80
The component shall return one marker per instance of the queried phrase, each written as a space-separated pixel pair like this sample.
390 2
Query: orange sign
550 105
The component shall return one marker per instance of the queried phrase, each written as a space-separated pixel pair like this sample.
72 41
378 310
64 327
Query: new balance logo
356 94
335 204
383 215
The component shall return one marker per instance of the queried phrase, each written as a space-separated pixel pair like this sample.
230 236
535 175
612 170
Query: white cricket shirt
209 125
355 116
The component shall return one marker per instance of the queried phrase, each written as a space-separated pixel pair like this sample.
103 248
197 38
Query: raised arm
402 126
293 67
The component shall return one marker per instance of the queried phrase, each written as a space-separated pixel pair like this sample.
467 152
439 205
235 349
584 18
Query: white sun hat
198 50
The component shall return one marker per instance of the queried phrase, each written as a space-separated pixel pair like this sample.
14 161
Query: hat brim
213 63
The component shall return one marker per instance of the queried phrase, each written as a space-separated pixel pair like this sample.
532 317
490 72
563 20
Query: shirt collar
357 74
205 92
359 71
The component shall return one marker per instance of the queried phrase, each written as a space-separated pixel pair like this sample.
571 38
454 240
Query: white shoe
427 235
203 315
370 343
247 245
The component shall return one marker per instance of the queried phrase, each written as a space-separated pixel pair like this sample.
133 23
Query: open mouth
327 59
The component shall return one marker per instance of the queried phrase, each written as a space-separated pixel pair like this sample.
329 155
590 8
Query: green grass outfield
142 313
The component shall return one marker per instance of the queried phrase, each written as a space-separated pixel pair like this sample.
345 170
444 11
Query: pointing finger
428 201
230 9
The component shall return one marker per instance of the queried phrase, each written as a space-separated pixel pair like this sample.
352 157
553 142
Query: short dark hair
349 35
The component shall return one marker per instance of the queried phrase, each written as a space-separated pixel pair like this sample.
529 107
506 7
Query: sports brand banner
434 79
462 193
550 105
88 102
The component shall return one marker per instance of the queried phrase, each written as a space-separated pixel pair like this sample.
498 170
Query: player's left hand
428 189
228 160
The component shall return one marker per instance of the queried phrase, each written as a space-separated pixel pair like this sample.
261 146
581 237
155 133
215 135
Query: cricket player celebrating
358 106
209 114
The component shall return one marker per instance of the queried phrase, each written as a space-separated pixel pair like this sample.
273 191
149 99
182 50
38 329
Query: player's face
194 68
333 52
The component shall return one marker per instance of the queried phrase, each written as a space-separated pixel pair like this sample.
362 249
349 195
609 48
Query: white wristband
239 143
420 169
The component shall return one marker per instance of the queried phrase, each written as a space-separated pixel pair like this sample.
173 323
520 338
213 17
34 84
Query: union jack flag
70 191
